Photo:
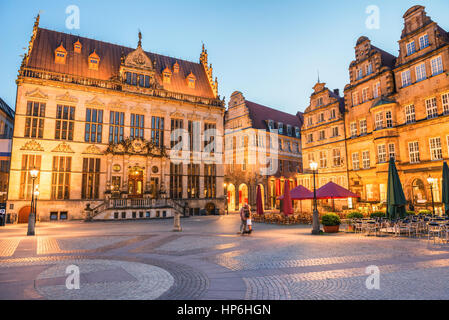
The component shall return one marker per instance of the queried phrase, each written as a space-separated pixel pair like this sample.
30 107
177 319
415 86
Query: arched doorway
243 195
24 213
231 197
262 192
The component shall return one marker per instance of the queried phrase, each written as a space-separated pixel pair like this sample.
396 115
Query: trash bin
8 218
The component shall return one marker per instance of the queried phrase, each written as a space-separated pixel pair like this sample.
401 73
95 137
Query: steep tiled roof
388 59
6 109
42 57
259 114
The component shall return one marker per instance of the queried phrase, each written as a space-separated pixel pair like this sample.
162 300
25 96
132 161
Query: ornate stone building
323 138
262 147
101 124
399 107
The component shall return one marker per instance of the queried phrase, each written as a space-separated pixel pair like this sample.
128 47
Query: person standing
245 214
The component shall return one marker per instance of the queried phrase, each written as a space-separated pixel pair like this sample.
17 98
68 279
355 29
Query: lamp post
431 180
32 217
36 195
225 185
315 221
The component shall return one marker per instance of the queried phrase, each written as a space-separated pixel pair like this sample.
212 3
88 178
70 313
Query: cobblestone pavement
208 260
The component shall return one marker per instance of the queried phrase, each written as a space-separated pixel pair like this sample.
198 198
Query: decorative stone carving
37 94
118 104
32 146
95 102
92 149
67 98
136 147
63 147
138 58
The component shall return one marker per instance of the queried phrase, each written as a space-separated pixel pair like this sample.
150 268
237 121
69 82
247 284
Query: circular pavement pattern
104 280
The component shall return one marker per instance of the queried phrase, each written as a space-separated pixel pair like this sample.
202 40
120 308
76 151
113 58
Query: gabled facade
253 134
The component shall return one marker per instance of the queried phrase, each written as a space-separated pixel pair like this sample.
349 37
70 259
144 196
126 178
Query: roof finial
139 44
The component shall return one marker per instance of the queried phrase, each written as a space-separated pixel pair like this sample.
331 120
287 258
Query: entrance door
154 187
24 213
135 183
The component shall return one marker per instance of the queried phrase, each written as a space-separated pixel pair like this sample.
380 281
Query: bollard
177 222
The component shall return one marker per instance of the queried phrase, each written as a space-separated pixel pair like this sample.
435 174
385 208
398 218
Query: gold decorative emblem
63 147
92 149
32 146
137 145
116 167
155 169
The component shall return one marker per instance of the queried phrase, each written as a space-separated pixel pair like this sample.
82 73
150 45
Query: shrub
377 214
410 213
331 219
354 215
425 212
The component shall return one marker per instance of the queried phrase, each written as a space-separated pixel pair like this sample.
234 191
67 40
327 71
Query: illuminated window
176 67
91 178
77 47
65 121
175 181
193 181
60 178
191 80
34 121
210 180
29 162
166 75
60 54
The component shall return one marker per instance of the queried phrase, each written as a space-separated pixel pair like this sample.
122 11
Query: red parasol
259 203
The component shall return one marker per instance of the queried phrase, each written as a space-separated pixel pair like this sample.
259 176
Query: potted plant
378 214
351 216
331 222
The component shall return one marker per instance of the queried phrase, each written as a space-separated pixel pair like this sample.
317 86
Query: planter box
331 229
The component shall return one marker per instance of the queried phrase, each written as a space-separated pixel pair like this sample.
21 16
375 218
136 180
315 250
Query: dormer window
77 47
60 54
280 128
191 79
270 125
289 130
297 132
94 61
166 75
176 67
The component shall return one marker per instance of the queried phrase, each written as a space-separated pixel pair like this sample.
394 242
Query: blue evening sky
269 50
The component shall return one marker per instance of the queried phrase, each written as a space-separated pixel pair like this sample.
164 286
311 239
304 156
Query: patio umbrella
395 195
299 193
259 203
333 191
287 205
445 196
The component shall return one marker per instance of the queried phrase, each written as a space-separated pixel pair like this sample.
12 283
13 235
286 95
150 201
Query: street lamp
32 217
36 195
431 180
315 221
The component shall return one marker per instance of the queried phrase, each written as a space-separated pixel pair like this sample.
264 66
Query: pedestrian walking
246 221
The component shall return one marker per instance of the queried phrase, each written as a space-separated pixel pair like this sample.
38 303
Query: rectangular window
94 125
309 138
376 90
137 126
435 149
34 121
406 78
420 72
363 128
193 181
410 113
335 132
423 41
60 178
322 135
336 157
355 161
29 162
379 118
389 119
116 126
157 131
381 153
209 138
177 124
321 117
355 98
210 180
437 65
65 121
323 159
91 178
413 151
366 160
333 114
175 181
445 103
353 128
369 69
391 151
411 48
365 94
431 108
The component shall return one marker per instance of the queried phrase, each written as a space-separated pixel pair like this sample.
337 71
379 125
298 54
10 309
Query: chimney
337 92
